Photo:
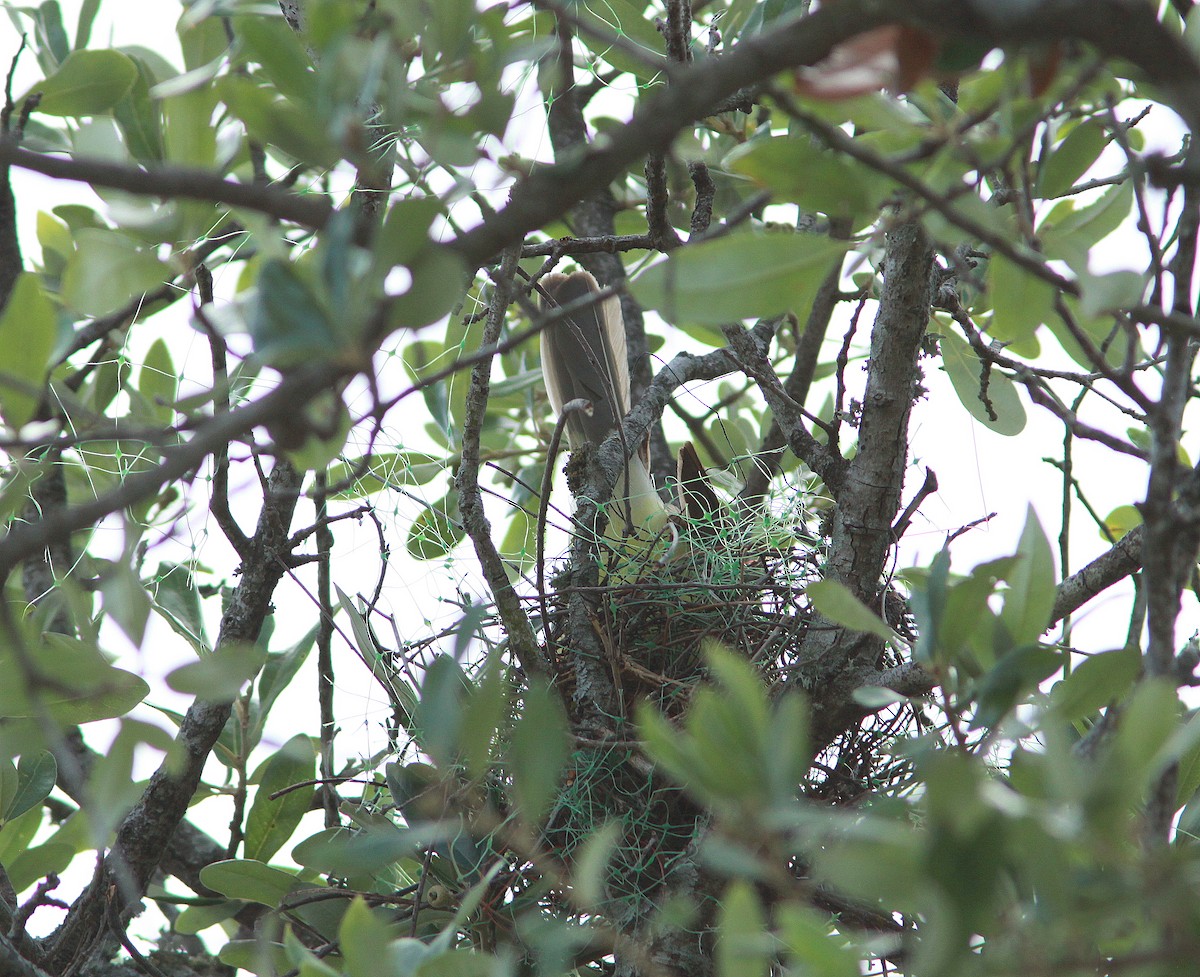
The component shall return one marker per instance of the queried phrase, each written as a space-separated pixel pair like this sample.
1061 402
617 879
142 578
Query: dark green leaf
271 821
440 711
140 118
1097 682
435 531
174 595
36 776
288 322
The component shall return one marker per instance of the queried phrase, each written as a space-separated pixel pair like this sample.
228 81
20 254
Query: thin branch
520 632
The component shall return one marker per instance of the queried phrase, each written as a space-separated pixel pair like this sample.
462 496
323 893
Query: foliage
752 747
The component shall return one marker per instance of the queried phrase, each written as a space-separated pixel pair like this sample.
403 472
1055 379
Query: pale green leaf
218 677
836 602
745 946
1030 596
108 271
1007 414
737 277
1021 302
539 751
27 335
87 83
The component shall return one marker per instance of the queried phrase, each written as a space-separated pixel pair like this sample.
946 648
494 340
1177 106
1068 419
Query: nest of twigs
653 618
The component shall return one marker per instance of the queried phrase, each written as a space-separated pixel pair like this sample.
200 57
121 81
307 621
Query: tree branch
145 832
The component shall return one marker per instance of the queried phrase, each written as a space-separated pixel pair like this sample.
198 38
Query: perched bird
583 357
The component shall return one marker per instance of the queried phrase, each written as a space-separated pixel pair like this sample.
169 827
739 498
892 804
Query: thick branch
1120 28
174 183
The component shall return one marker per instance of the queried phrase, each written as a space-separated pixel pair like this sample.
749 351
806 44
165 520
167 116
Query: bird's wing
583 356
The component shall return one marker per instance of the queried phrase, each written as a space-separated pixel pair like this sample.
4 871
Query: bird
584 357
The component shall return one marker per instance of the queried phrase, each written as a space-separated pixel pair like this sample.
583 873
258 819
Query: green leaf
189 135
278 122
87 16
274 45
35 778
1151 715
108 271
366 941
288 322
8 787
590 865
876 697
196 919
345 853
126 600
271 822
438 281
175 597
1095 683
249 880
1030 597
485 712
1070 234
965 372
796 169
79 684
835 601
389 469
435 531
1120 521
158 382
738 276
1070 159
744 686
28 330
1021 303
440 711
140 118
219 676
87 83
50 15
745 947
1105 294
37 862
627 21
277 674
810 947
539 751
1017 673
